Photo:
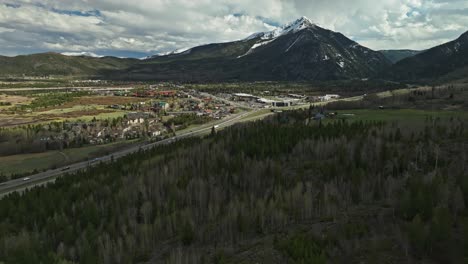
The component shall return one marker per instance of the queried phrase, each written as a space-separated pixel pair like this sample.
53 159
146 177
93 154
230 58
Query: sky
139 28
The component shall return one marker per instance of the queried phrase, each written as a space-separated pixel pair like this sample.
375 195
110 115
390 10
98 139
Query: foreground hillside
276 191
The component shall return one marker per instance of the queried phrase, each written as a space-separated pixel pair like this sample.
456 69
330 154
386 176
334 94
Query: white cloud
153 26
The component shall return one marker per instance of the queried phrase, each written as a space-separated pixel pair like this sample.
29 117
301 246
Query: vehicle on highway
66 168
26 179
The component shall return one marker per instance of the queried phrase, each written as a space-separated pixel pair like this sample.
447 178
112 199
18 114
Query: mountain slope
58 64
300 50
449 59
397 55
209 51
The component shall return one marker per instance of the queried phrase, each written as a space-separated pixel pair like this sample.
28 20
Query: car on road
66 168
26 179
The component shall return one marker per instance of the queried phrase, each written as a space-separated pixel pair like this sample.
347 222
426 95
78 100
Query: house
160 106
163 105
136 118
167 93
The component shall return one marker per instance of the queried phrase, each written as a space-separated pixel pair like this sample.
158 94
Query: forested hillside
448 61
397 55
277 191
44 64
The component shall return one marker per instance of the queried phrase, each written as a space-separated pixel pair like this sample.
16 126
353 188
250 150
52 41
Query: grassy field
257 115
81 108
26 163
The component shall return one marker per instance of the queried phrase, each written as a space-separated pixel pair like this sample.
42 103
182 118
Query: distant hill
299 50
58 64
397 55
448 61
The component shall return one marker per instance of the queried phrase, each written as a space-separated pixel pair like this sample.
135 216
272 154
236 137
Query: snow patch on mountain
183 51
261 44
174 52
256 45
294 43
83 53
254 36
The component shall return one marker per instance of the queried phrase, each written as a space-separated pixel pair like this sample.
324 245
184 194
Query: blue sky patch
269 21
12 5
90 13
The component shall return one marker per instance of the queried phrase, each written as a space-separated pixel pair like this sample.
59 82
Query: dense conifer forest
282 190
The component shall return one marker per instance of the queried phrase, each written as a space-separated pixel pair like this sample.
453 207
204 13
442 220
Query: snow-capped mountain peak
293 27
298 25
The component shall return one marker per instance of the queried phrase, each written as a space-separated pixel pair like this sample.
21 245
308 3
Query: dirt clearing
15 99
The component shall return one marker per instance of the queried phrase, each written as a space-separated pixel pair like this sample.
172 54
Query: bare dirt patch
76 114
103 100
96 100
15 99
11 121
109 100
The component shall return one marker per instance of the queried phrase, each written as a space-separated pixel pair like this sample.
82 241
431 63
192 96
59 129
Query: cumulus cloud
153 26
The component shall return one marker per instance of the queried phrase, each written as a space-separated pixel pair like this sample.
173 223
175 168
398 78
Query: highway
50 175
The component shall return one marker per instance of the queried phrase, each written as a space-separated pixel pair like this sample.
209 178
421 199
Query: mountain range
447 62
298 51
